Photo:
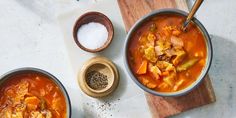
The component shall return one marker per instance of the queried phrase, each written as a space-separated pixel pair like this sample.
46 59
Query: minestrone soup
31 95
163 57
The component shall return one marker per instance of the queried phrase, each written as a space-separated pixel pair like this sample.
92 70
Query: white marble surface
128 99
30 36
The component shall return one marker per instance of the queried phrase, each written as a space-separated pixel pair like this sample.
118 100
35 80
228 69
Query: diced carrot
199 54
202 62
31 107
32 102
165 73
143 67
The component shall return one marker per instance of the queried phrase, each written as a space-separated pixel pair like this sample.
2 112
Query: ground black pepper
96 80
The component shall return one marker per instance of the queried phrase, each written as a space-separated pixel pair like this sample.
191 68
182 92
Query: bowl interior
44 73
145 19
98 18
104 69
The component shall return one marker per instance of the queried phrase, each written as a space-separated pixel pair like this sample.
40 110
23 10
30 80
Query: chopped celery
186 65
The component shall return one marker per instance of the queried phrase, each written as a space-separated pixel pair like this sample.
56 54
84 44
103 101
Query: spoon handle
194 9
192 12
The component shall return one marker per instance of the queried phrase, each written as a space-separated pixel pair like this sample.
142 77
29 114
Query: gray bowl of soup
164 60
31 92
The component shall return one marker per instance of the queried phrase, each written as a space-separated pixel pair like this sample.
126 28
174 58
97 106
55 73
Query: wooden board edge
209 87
123 15
182 4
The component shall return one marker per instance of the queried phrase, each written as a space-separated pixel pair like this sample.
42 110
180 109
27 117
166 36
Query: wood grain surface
162 107
132 10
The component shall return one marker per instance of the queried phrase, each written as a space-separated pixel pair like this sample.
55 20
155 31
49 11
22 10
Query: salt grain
92 35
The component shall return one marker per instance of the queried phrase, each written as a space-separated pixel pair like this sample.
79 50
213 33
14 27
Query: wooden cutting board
161 107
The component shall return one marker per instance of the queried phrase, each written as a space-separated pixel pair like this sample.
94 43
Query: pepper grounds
96 80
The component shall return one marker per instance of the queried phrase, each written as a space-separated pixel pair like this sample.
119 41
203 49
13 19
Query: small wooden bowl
104 66
93 17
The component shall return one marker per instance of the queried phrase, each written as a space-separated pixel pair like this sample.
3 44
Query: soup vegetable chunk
31 96
163 57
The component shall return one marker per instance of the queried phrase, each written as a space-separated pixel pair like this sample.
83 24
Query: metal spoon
194 9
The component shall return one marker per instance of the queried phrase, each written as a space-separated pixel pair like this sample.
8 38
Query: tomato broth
31 95
165 58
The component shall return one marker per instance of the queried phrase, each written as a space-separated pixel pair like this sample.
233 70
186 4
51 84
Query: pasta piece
36 114
22 88
21 91
176 42
17 115
48 114
151 85
6 113
163 86
56 105
178 84
170 52
145 81
170 80
142 40
158 50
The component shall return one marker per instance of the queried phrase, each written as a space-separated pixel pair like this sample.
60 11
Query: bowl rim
207 42
13 72
110 32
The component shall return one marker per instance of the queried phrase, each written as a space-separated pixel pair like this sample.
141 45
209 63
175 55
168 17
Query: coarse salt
92 35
